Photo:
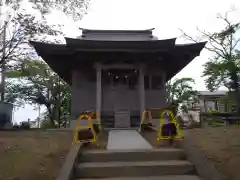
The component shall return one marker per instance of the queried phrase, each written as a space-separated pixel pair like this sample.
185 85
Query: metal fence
219 119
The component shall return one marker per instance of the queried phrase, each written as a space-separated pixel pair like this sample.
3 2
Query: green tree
15 32
39 85
46 124
21 26
74 8
223 69
15 45
179 92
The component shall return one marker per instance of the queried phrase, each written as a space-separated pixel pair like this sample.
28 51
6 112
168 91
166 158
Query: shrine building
117 73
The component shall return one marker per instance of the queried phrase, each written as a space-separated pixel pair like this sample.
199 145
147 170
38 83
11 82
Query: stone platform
126 139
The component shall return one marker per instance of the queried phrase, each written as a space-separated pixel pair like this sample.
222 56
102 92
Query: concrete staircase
156 164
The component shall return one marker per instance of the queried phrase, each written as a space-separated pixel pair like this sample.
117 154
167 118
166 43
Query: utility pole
3 63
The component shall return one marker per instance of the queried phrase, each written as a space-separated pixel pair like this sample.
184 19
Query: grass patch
28 155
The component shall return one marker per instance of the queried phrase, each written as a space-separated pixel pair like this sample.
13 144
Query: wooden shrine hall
117 73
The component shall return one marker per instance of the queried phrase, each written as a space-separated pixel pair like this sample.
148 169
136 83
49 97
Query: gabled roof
156 45
63 58
116 31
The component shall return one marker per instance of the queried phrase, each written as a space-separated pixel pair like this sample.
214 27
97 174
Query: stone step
132 155
134 169
170 177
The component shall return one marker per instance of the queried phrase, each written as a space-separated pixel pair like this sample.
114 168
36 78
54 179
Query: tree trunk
51 115
174 108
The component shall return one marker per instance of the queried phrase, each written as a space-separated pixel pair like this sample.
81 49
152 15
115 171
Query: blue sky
165 16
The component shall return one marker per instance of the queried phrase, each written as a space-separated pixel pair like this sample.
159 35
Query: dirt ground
151 137
33 154
221 145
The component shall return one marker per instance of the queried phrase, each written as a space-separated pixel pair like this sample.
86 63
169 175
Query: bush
16 126
47 124
24 125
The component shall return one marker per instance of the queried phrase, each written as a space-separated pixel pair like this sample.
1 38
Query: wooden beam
139 51
115 66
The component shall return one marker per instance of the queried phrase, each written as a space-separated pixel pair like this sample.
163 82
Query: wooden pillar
141 90
99 92
164 81
205 106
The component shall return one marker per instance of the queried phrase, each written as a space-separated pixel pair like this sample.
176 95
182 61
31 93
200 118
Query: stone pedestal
122 119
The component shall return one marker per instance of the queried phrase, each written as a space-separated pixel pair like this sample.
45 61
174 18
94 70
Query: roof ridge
117 30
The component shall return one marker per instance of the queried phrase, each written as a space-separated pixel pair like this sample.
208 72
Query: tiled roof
214 93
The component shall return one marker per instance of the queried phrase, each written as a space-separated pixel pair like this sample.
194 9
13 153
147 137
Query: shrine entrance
123 87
